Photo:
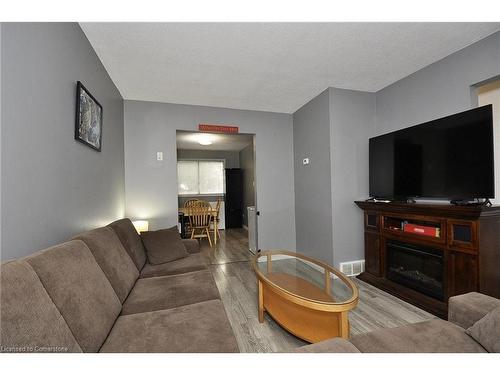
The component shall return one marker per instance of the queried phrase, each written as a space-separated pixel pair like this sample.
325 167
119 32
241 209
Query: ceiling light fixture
205 139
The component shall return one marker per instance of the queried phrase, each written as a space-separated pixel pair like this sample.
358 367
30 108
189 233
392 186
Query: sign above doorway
214 128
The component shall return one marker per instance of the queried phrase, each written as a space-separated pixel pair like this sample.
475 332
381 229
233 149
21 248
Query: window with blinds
196 177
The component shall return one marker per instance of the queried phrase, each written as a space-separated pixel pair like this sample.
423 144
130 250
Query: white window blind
187 177
200 177
211 177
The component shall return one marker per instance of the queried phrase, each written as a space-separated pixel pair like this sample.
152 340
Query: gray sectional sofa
98 293
461 333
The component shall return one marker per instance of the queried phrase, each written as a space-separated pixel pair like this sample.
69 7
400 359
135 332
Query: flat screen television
448 158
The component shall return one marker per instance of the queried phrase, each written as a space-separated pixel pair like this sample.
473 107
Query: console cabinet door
462 273
372 254
372 220
462 234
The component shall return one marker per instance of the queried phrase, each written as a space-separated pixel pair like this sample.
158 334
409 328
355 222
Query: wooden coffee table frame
310 319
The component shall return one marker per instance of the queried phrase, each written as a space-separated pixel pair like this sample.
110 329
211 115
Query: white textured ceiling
274 67
220 142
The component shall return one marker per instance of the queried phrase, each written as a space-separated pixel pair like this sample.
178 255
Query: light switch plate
159 156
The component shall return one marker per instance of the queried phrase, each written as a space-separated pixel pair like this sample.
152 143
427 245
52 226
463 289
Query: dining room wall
151 185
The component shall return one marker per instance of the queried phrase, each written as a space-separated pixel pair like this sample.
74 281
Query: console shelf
422 226
465 239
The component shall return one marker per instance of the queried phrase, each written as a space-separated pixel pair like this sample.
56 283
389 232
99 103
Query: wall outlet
159 156
305 161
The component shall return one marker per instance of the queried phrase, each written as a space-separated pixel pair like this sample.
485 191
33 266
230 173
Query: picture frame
88 121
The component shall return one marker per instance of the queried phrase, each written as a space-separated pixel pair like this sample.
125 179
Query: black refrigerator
234 198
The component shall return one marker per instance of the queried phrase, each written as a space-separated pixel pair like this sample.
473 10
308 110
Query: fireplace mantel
467 239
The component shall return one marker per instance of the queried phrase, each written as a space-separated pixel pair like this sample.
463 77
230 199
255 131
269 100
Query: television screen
450 158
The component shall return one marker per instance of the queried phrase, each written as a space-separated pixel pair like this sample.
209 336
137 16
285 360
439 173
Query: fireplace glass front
416 267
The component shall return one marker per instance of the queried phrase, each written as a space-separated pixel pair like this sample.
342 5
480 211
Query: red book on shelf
421 229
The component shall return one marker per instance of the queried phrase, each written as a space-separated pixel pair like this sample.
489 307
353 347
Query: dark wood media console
454 250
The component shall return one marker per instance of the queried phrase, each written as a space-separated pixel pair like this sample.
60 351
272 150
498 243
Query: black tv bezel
405 198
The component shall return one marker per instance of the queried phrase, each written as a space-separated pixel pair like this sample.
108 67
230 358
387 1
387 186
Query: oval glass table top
306 278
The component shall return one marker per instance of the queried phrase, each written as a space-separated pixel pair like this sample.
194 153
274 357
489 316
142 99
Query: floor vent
353 268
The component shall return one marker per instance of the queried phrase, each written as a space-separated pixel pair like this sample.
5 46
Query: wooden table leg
261 303
327 282
216 228
344 324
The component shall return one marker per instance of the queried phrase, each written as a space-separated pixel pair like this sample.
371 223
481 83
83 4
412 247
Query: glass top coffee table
307 297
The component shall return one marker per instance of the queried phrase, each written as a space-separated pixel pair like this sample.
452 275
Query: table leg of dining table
216 228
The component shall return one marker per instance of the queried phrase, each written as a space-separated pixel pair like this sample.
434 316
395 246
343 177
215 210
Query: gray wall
352 121
1 126
332 130
440 89
490 94
445 87
231 158
313 194
151 186
52 186
247 165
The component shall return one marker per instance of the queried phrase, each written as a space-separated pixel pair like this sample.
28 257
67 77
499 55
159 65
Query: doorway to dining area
217 194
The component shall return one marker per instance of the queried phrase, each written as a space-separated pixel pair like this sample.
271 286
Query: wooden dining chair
202 203
206 204
191 202
199 220
187 204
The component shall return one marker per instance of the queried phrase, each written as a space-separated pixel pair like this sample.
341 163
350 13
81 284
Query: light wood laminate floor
230 264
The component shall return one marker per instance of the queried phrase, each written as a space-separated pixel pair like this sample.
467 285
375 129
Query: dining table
183 214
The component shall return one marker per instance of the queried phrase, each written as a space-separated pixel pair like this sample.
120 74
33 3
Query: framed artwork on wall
88 124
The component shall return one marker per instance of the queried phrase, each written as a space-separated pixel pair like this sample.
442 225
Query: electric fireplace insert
416 267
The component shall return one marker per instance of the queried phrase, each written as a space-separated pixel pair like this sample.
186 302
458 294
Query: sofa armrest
466 309
336 345
192 246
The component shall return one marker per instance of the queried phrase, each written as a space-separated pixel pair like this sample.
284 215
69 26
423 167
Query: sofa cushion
196 328
335 345
164 245
432 336
30 322
466 309
159 293
486 331
194 262
113 259
80 290
130 240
